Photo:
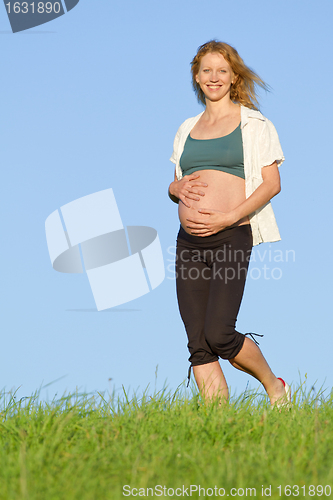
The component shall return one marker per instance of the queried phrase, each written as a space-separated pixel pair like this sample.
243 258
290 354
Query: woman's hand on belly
224 192
188 189
211 222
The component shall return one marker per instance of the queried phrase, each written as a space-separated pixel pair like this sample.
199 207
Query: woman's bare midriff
224 193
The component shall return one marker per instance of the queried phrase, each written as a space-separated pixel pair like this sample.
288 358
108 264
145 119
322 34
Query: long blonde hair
243 89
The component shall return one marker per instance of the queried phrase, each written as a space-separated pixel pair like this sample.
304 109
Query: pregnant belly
224 193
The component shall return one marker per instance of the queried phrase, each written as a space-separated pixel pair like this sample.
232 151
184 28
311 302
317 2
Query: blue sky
92 100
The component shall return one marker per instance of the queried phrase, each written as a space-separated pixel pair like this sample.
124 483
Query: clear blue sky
93 100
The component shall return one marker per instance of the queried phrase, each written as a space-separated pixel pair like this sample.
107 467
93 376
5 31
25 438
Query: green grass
82 447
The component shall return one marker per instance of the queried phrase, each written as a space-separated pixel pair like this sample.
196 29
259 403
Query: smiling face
215 76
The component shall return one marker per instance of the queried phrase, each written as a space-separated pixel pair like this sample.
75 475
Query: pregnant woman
227 161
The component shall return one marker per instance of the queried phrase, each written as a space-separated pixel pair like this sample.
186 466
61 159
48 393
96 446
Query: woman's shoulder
251 113
189 122
258 121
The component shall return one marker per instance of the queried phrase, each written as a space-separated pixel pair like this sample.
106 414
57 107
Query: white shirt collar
247 113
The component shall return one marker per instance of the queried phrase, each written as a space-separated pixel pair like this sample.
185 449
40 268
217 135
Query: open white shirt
261 147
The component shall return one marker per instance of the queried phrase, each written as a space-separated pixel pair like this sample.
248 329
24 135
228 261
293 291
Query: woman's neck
219 109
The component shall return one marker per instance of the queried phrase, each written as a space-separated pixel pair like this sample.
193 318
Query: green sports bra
224 153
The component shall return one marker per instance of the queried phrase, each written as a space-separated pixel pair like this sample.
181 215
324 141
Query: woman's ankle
276 391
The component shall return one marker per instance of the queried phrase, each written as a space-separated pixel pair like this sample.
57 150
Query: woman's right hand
187 188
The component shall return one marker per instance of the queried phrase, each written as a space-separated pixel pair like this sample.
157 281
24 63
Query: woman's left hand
214 222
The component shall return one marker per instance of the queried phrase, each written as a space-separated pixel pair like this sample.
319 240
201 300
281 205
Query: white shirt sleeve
269 146
173 157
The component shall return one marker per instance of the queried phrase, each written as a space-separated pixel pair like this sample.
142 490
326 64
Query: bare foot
277 392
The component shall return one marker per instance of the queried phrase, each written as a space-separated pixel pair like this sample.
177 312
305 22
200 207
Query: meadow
165 445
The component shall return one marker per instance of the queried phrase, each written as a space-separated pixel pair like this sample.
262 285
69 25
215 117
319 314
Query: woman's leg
192 285
206 305
226 291
211 381
251 361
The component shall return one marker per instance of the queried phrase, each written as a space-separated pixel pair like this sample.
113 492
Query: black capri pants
210 278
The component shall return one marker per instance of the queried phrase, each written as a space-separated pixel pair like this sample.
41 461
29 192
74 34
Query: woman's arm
270 187
186 188
220 220
172 196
